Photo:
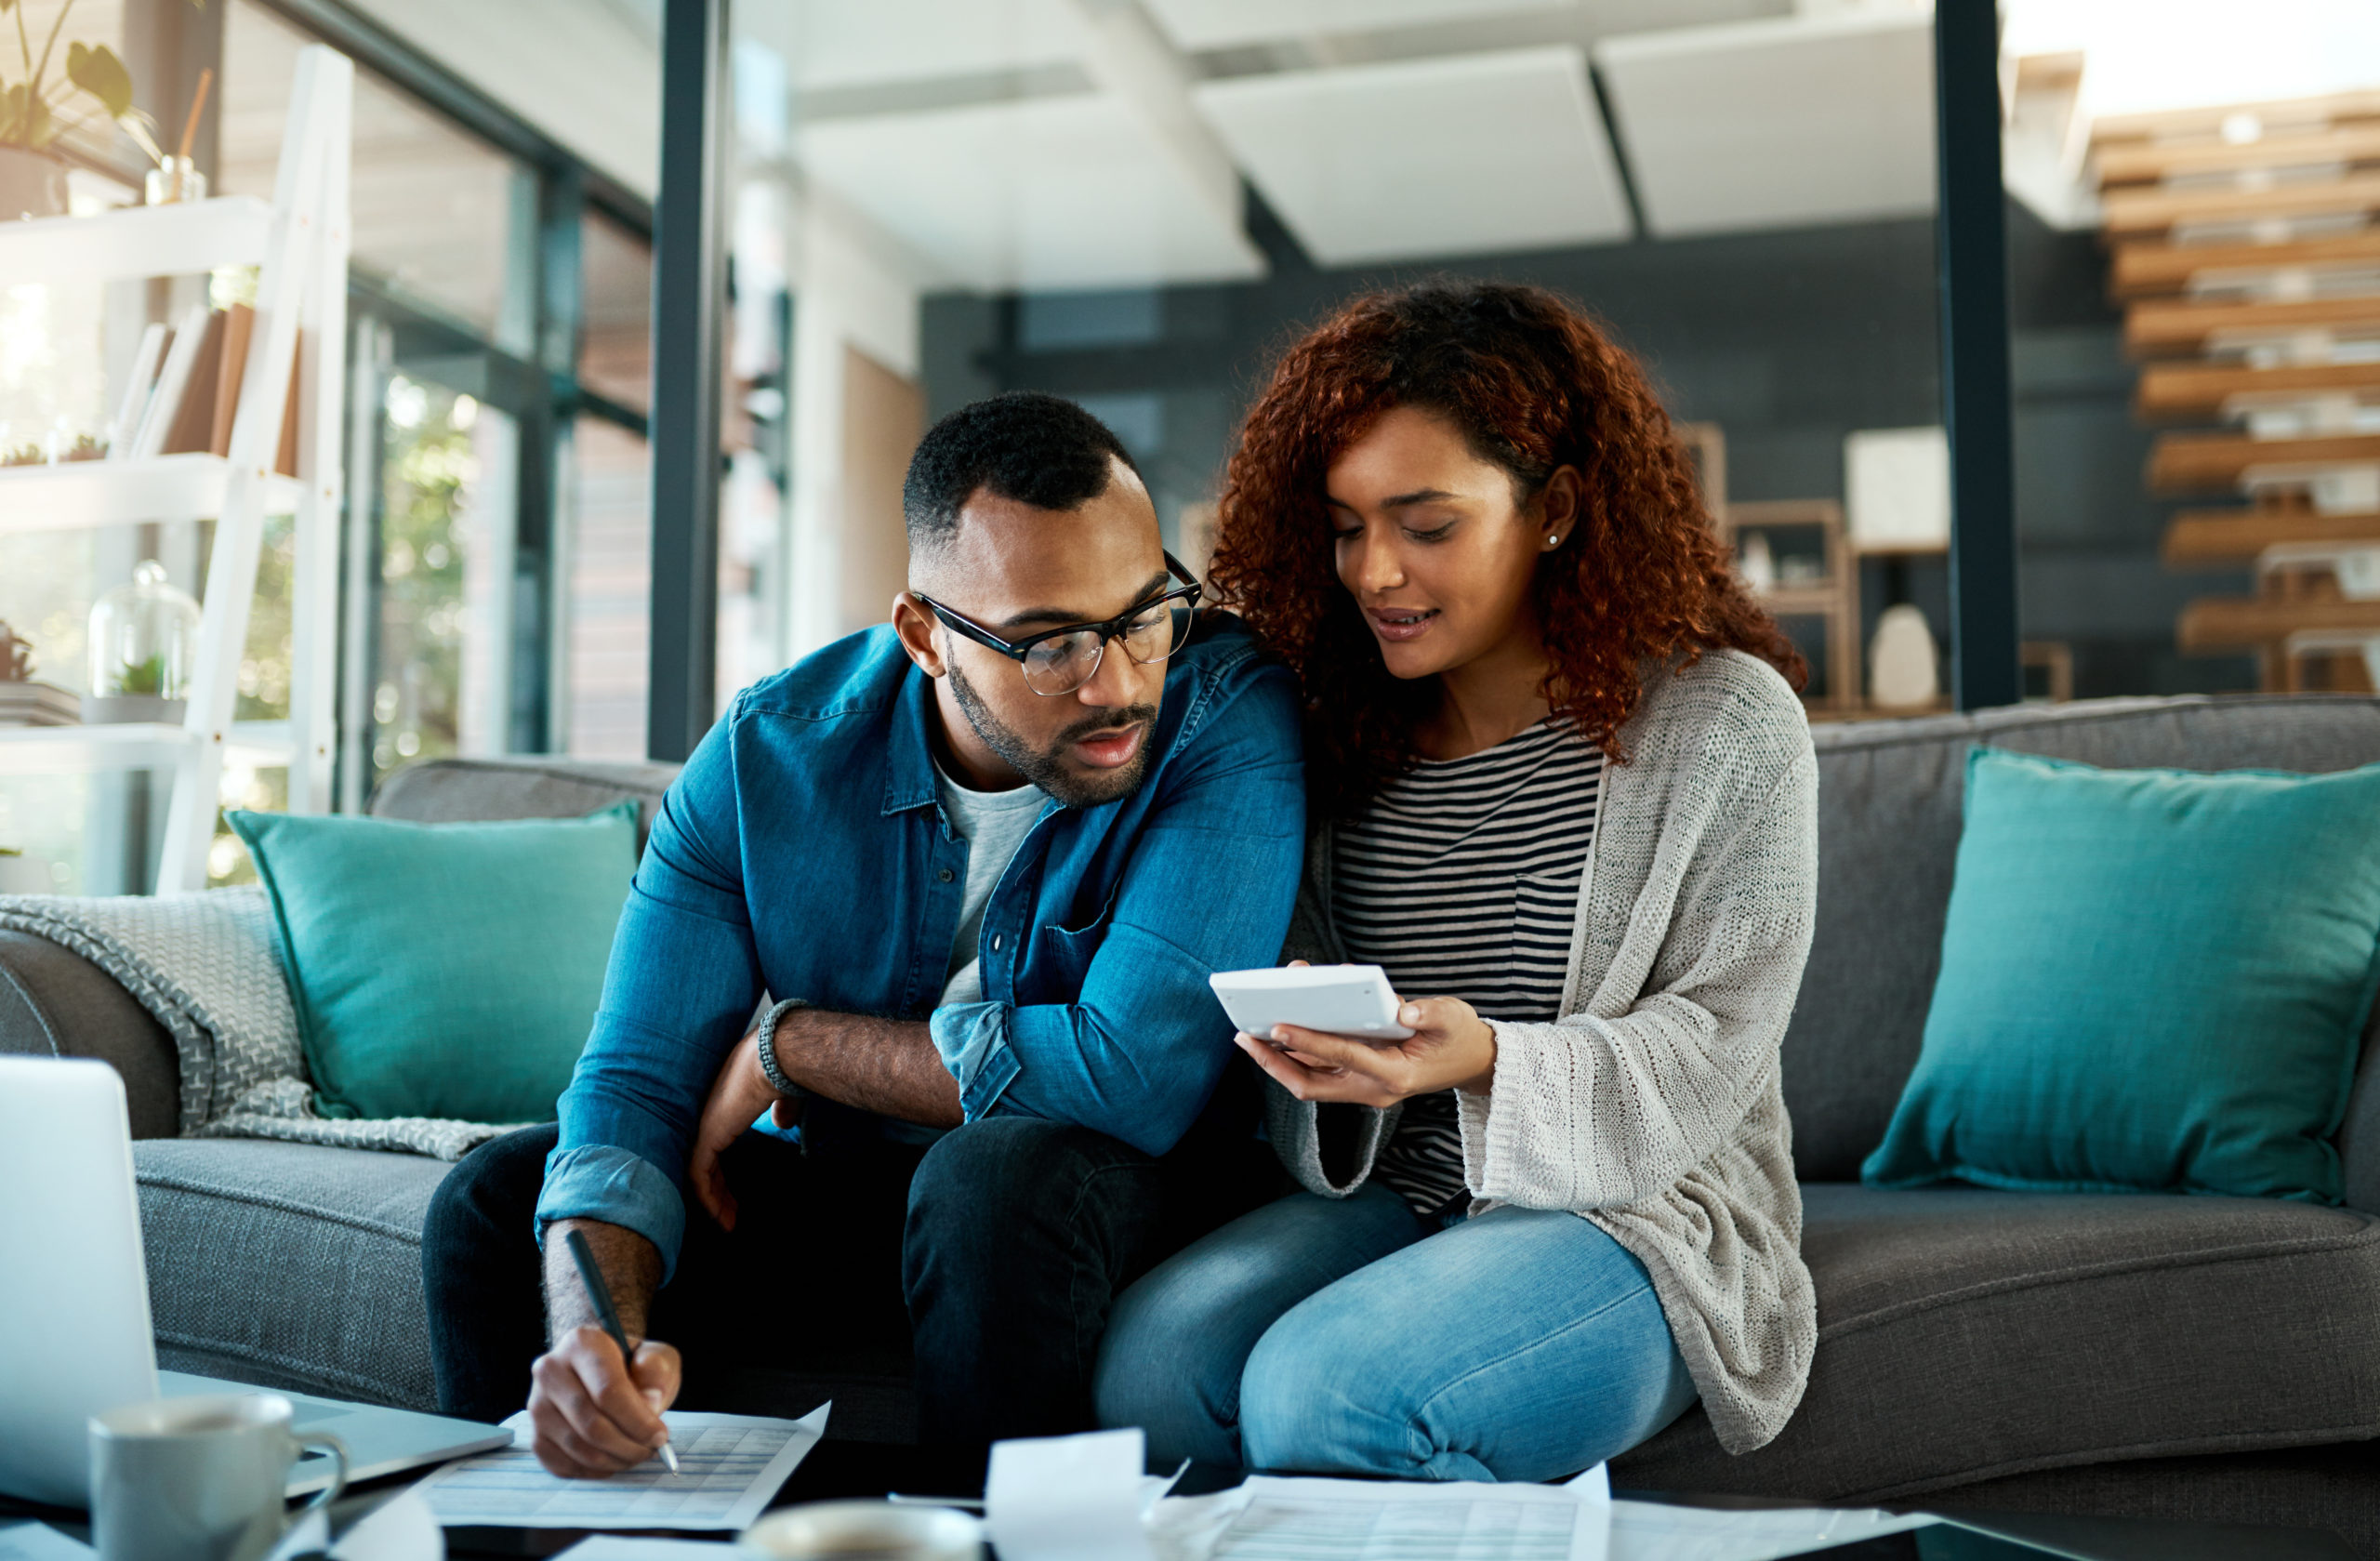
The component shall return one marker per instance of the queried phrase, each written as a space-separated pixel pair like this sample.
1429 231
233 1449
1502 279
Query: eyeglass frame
1190 590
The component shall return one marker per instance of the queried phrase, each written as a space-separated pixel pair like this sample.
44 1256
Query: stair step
2155 210
2226 623
2141 271
2213 462
2136 163
2161 329
2232 537
2187 391
2282 115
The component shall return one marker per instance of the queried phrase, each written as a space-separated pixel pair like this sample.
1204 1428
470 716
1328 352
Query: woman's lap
1179 1338
1521 1344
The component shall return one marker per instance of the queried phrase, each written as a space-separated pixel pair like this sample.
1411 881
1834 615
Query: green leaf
97 72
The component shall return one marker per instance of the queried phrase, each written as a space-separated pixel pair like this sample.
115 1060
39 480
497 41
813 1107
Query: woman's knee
1314 1397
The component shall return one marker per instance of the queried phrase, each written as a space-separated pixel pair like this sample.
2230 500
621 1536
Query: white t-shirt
994 824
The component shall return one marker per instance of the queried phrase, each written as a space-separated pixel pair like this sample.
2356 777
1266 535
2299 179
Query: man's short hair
1024 446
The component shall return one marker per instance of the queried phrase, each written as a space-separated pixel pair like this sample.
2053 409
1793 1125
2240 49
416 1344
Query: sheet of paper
623 1547
1269 1519
1656 1531
39 1541
1069 1498
728 1468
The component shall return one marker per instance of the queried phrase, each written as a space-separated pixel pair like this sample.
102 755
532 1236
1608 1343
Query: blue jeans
1341 1336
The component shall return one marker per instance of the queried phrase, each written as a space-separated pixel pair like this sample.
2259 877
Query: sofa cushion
2078 1042
444 971
55 1003
289 1265
1965 1334
1889 800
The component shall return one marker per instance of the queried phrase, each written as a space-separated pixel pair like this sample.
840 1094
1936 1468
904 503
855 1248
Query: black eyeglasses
1061 660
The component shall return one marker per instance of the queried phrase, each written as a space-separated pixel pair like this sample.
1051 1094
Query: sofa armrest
55 1003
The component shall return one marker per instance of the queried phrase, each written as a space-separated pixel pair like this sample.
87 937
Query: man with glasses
981 863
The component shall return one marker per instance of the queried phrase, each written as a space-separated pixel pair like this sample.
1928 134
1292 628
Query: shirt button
944 874
996 943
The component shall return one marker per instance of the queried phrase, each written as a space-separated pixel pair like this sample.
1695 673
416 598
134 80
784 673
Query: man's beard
1046 768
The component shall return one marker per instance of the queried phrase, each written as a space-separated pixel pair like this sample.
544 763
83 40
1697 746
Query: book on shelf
32 704
190 407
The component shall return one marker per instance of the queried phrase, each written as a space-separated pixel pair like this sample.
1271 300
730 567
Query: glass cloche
144 639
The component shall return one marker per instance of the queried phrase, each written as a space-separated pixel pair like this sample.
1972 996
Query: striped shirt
1460 879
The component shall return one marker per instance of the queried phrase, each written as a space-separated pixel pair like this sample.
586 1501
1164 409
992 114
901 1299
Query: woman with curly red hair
1567 800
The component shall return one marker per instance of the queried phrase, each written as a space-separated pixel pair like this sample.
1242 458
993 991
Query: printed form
1270 1519
729 1466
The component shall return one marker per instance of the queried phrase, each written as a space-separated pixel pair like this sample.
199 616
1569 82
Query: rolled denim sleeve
973 1039
598 1181
683 981
1209 887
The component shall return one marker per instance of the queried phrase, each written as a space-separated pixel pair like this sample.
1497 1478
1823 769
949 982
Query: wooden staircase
2245 247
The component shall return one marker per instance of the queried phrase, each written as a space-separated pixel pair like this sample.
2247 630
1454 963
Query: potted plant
39 107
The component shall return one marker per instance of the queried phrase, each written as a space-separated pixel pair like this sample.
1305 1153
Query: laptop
74 1332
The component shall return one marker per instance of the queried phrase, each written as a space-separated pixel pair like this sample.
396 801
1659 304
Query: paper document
728 1468
39 1541
1069 1498
1656 1531
618 1547
1270 1519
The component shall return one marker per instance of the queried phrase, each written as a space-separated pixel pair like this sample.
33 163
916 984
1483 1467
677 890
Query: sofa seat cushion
289 1265
1966 1335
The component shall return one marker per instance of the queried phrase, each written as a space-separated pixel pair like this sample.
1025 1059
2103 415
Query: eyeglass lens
1064 664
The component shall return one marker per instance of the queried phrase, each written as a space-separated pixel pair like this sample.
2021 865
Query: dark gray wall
1789 340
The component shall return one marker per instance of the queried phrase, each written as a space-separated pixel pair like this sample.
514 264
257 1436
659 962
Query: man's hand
590 1413
738 1097
1451 1047
594 1414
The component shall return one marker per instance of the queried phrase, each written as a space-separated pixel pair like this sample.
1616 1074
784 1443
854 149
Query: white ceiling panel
1040 195
1200 25
1776 124
1430 157
868 42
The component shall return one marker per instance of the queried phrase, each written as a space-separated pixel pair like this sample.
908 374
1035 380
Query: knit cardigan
1652 1106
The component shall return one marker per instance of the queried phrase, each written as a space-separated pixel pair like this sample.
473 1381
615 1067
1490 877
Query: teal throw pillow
2152 980
443 970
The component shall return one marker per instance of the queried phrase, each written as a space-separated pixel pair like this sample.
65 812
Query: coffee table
844 1469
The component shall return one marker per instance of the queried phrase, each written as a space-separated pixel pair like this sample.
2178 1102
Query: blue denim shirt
803 850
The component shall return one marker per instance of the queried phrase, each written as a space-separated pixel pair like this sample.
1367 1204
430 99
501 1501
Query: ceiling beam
1130 59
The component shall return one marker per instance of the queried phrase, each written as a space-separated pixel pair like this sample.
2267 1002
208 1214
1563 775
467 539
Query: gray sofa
2213 1358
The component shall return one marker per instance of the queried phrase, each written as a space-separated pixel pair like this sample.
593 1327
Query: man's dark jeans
1007 1240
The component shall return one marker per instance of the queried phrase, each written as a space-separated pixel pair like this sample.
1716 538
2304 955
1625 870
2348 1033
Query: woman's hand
1452 1047
738 1097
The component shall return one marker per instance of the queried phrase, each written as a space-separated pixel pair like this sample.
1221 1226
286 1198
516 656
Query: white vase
1904 669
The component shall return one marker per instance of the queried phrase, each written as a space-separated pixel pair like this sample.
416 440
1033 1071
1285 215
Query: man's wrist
772 1068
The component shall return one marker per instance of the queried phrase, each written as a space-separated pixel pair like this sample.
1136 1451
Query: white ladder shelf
300 241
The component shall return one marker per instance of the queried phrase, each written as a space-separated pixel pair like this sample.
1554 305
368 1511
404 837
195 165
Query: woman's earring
1552 539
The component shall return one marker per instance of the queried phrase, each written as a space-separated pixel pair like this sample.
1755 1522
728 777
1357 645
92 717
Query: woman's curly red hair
1534 386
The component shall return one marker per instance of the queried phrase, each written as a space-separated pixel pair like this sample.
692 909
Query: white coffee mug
864 1531
198 1479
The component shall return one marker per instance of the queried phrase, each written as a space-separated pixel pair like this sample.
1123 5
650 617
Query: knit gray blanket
208 967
